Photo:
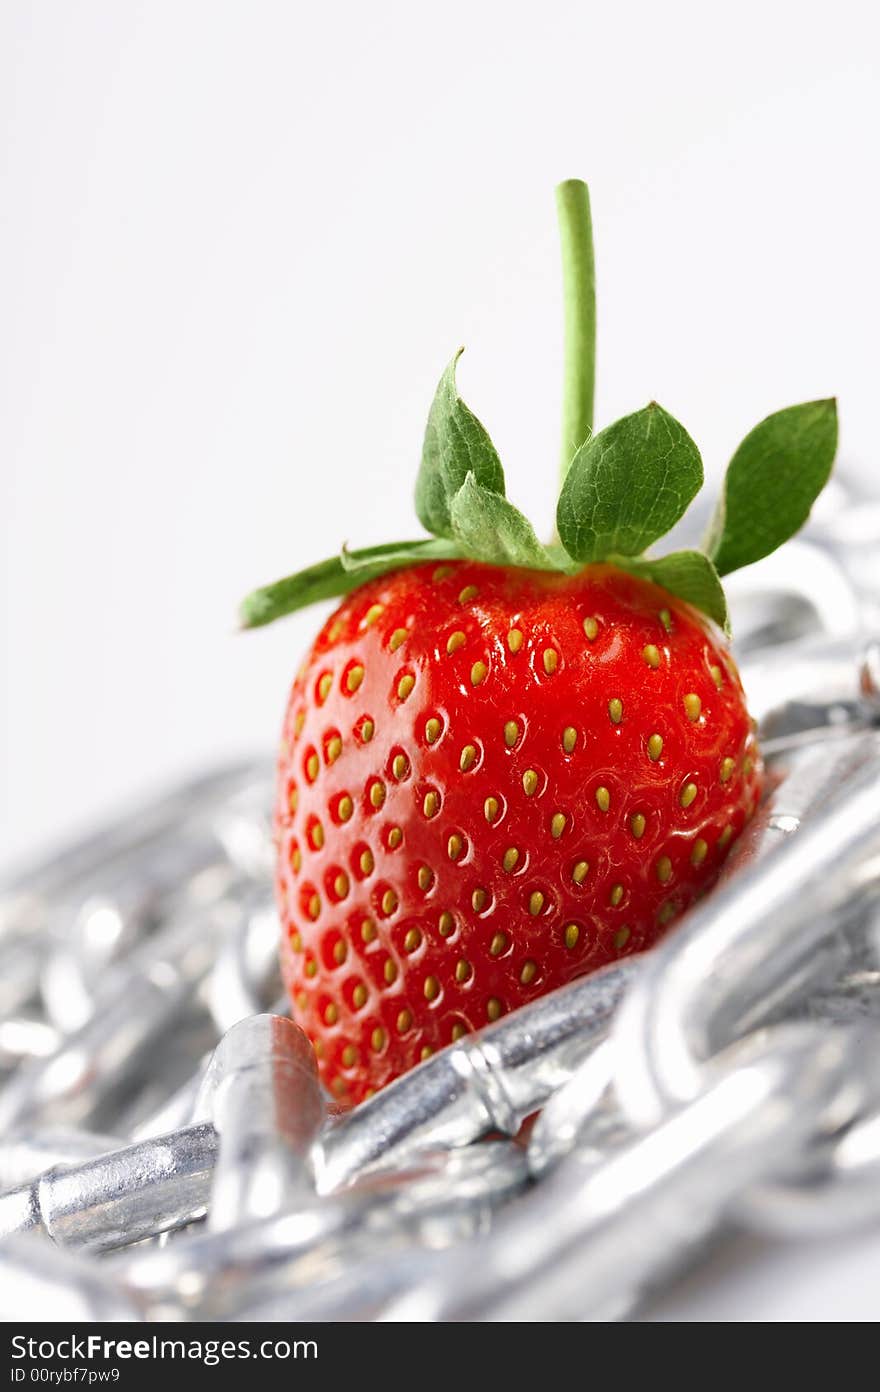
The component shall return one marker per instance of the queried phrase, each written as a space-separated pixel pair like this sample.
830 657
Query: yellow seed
377 1038
725 836
498 944
651 654
621 937
727 767
314 906
340 952
528 973
344 808
412 940
359 996
354 678
299 722
389 902
368 930
397 637
324 686
666 912
340 886
510 858
551 661
490 809
569 738
717 676
637 825
296 859
692 706
615 710
389 971
616 896
395 837
747 767
591 628
331 1014
462 971
293 799
334 749
580 871
478 900
514 640
312 767
687 794
530 782
432 730
454 846
664 869
367 862
374 612
536 902
699 852
511 733
603 799
431 988
426 1052
446 924
655 747
404 1020
431 804
426 877
317 836
666 619
458 1031
455 641
311 968
296 942
468 758
557 825
571 935
441 573
400 766
377 793
478 673
493 1008
405 685
468 593
349 1055
366 731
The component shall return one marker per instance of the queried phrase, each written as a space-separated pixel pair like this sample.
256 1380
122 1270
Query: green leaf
456 444
491 529
627 486
691 576
337 576
772 482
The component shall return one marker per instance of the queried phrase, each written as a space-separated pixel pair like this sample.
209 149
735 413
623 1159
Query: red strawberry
492 780
506 763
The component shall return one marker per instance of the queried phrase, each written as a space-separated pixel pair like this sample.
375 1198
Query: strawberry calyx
623 487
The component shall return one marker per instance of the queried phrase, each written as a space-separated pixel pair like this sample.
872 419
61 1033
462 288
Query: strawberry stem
579 303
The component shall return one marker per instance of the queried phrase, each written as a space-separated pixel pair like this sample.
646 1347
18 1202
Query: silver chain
168 1152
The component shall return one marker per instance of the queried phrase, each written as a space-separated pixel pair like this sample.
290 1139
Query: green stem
579 300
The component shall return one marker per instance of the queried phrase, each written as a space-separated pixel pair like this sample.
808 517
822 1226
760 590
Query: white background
238 243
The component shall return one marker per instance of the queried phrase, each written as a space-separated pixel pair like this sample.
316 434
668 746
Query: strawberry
504 763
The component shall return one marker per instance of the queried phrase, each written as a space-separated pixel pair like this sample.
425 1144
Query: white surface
238 243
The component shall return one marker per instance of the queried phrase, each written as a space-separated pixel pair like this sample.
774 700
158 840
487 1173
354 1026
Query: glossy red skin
325 958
